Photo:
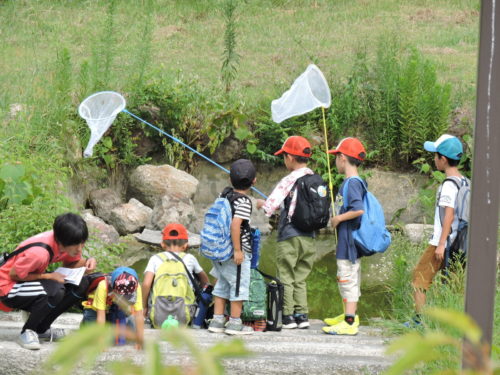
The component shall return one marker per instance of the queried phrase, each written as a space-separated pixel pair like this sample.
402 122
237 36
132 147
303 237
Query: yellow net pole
330 183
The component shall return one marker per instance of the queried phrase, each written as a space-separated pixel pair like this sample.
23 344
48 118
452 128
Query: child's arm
235 238
101 317
139 327
202 278
146 288
449 213
349 215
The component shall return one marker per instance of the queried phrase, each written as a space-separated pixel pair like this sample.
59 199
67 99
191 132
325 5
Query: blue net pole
188 147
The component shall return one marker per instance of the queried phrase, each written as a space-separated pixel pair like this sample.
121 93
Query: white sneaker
52 334
29 340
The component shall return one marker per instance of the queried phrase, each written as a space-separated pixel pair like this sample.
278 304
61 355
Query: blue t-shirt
346 248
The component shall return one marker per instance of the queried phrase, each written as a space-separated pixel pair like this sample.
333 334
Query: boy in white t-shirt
447 153
175 239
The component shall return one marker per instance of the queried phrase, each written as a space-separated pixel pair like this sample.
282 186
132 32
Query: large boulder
170 209
398 194
99 230
148 183
103 201
418 232
130 217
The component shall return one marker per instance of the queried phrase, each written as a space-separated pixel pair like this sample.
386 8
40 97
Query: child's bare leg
420 298
236 307
350 308
219 305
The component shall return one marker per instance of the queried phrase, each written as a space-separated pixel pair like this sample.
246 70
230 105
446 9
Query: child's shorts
349 279
225 273
425 270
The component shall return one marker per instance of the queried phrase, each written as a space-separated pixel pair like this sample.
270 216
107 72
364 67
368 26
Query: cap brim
279 152
430 146
333 151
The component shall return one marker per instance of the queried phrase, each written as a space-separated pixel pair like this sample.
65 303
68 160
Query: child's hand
260 203
238 257
56 276
439 253
335 221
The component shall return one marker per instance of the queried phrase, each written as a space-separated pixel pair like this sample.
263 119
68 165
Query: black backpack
275 295
312 211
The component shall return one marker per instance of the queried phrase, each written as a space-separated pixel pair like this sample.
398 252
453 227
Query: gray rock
228 151
98 229
418 232
259 219
130 217
169 209
154 237
294 351
398 194
148 183
103 201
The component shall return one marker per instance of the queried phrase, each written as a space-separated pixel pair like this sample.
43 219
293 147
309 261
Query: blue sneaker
413 323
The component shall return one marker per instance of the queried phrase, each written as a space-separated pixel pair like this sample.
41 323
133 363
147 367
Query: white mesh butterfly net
309 91
100 110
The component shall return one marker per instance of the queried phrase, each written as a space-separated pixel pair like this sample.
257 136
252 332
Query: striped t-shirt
242 208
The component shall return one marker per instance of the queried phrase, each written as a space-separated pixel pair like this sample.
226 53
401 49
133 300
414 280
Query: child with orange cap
349 154
296 249
175 240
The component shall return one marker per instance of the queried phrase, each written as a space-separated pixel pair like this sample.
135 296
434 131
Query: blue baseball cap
446 145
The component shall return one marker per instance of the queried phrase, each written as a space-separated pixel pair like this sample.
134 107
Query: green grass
276 39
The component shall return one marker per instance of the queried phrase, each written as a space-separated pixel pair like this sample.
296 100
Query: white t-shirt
447 196
189 260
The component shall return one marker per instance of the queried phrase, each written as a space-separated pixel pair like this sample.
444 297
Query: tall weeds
230 58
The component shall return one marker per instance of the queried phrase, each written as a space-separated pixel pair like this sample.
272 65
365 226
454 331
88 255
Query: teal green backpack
255 307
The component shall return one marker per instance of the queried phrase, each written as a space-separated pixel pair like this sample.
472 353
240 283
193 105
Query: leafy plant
84 346
425 348
16 186
230 58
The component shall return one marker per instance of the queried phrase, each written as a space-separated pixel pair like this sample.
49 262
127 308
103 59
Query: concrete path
287 352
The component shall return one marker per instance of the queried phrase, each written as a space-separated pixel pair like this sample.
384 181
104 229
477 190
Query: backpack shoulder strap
456 180
346 184
194 283
26 247
163 257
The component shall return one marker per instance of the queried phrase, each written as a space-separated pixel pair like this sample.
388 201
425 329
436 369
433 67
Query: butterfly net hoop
309 91
99 111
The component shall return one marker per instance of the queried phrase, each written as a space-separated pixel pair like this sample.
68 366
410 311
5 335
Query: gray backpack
462 212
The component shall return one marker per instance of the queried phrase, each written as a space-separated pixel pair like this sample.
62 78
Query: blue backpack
372 236
216 233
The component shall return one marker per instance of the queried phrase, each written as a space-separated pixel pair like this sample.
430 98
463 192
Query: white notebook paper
72 275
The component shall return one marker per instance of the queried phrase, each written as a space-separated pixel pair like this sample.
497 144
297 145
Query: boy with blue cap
447 154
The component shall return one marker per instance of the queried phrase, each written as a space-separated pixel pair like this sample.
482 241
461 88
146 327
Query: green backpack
171 293
255 307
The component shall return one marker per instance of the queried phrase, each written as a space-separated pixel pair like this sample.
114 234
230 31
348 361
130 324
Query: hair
241 184
177 242
451 162
300 159
70 229
354 161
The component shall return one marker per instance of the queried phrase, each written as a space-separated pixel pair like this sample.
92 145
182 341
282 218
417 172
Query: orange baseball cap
296 145
175 231
351 147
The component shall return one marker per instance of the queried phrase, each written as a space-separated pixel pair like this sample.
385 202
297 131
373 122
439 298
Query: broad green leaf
242 133
251 148
425 168
107 142
459 320
12 171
